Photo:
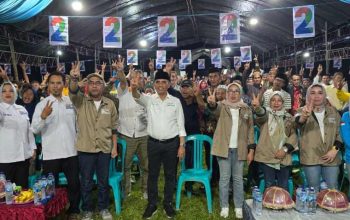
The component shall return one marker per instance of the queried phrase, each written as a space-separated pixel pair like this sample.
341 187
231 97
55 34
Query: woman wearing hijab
276 142
233 144
17 143
320 139
28 100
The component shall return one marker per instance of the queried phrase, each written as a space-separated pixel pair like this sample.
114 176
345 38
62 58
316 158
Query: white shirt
320 119
165 118
17 141
132 116
97 104
58 130
234 129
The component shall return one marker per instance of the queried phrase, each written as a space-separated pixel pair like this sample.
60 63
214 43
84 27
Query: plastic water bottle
9 192
323 185
254 191
298 199
51 185
258 203
311 202
303 199
37 193
43 184
2 182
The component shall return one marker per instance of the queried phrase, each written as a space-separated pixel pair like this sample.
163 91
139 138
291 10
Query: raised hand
3 74
319 69
301 72
103 66
307 110
256 58
47 110
23 65
75 71
118 64
170 65
196 89
60 67
151 64
82 83
256 101
211 98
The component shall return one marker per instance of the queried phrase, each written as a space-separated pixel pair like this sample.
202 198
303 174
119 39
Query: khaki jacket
94 127
222 133
312 147
264 151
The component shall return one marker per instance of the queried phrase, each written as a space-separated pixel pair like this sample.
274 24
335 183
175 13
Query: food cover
332 200
277 198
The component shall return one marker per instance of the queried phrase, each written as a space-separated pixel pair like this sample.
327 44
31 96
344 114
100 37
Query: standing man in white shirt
54 119
166 130
132 127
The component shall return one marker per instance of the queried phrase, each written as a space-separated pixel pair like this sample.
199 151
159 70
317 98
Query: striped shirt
286 97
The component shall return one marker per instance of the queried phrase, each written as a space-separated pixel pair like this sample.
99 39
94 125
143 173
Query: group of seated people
79 120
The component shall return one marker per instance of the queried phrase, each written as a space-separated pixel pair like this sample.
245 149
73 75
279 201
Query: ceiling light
143 43
77 5
253 21
306 54
227 49
59 52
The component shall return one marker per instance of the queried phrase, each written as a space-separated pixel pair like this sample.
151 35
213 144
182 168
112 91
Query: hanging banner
237 61
246 54
161 57
337 62
182 66
7 68
309 64
159 66
167 31
304 21
28 69
82 66
58 30
229 28
132 57
186 57
218 65
43 69
112 32
201 64
215 55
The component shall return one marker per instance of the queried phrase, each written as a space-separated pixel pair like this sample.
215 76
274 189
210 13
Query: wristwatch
285 149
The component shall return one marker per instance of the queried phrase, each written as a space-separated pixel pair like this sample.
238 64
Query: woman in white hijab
276 142
17 143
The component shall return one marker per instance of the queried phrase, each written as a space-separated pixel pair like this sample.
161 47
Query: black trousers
70 167
17 172
166 154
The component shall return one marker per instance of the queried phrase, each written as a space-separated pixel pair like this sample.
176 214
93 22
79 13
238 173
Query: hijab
235 105
14 91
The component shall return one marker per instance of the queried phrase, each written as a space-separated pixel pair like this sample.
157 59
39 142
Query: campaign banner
167 31
215 55
43 69
337 62
28 69
58 30
112 32
246 54
237 61
186 57
159 66
218 65
304 21
182 66
82 66
7 68
201 64
309 64
161 57
132 57
229 28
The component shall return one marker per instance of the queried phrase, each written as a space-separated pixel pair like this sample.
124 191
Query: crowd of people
71 124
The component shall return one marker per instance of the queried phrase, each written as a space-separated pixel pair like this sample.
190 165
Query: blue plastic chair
116 176
198 173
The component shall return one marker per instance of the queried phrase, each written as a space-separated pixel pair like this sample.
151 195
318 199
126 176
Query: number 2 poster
167 31
304 21
58 28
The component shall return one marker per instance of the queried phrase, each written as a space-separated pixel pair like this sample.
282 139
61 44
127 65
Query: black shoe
150 211
169 211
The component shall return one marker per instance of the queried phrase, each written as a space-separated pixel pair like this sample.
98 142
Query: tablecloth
290 214
32 212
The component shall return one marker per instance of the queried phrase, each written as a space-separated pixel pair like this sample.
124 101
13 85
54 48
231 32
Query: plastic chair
197 173
116 176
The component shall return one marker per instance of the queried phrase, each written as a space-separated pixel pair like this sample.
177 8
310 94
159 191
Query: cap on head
160 74
186 82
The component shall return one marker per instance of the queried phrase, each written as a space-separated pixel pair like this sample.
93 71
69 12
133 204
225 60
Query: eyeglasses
233 91
95 83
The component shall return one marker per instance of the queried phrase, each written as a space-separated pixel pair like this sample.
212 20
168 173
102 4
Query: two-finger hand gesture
47 110
75 71
211 98
256 101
